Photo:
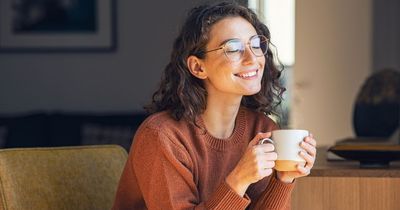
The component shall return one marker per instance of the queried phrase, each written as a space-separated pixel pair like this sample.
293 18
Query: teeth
248 74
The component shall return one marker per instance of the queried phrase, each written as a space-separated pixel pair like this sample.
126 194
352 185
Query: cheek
224 69
262 61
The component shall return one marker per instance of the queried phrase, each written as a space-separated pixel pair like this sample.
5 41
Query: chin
252 92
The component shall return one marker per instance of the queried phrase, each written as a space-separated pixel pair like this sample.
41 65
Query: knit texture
175 165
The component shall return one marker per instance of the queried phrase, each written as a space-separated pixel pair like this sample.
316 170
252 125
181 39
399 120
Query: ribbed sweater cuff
225 198
277 195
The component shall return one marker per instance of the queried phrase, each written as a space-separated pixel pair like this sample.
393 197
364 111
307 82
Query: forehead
229 28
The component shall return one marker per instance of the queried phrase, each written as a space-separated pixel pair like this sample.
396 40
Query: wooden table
344 185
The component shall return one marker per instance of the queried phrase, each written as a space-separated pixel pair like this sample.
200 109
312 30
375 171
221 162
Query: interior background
338 44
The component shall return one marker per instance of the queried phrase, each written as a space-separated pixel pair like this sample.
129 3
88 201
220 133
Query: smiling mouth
247 75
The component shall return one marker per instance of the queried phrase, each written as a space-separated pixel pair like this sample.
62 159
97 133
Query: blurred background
100 74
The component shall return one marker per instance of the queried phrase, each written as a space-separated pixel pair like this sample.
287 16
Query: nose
248 56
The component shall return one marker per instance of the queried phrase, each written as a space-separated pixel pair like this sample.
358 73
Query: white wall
333 58
119 81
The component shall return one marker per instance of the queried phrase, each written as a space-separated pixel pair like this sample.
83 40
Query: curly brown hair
184 95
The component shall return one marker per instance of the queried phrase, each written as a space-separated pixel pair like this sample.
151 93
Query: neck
220 115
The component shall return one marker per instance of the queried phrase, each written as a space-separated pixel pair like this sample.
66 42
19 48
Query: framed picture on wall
57 25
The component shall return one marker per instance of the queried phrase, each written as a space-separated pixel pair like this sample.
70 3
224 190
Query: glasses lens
234 49
259 45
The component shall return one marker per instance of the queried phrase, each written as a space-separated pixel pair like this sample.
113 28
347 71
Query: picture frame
57 26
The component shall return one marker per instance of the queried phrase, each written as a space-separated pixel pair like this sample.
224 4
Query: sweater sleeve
163 171
271 194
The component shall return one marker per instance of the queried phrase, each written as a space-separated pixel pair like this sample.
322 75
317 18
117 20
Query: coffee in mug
287 146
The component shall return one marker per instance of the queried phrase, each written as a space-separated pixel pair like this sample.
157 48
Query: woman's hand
256 163
309 145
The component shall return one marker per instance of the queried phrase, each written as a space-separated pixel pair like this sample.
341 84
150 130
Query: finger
264 148
264 172
266 164
309 148
303 170
308 158
269 156
310 140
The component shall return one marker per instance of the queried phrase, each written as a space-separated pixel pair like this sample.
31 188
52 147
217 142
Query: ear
195 66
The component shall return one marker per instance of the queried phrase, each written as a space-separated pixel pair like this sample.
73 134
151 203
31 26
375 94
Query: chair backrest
77 177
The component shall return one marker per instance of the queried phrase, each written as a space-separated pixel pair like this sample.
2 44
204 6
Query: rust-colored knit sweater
174 165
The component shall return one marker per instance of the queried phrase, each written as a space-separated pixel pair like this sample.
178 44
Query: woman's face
242 77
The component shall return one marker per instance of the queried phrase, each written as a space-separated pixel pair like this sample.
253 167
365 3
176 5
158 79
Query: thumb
258 137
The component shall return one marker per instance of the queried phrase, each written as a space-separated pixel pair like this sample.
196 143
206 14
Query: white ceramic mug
287 146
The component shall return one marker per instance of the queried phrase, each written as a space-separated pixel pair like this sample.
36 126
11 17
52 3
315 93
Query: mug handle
266 140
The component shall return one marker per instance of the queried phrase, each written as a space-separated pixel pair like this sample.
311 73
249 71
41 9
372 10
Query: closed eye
232 50
234 46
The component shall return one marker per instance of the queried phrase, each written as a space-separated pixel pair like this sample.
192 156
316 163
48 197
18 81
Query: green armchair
77 177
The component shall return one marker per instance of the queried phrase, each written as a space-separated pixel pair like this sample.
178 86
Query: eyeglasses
234 48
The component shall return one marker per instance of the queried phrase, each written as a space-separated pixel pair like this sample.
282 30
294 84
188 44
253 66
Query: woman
199 150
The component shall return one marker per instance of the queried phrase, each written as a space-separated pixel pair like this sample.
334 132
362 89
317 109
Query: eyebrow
225 41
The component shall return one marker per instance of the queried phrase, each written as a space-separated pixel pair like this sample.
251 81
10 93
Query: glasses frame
242 52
